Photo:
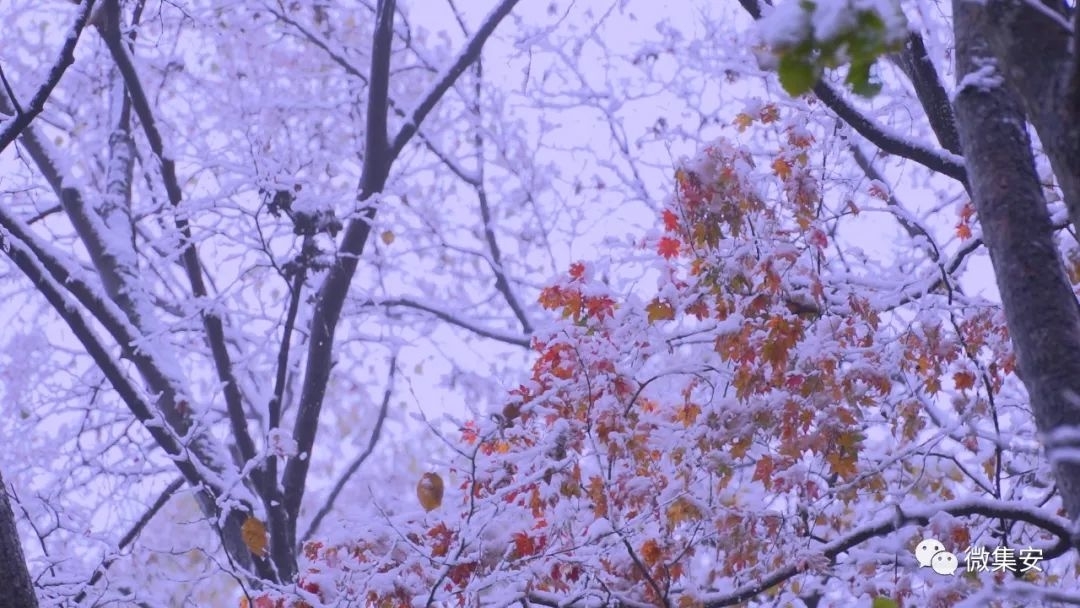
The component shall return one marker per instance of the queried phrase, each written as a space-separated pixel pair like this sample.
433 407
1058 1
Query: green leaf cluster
858 46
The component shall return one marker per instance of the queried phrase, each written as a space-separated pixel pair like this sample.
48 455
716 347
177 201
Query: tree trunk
18 591
1040 307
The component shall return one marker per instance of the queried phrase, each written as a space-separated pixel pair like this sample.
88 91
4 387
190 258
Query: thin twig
10 93
514 340
354 466
131 535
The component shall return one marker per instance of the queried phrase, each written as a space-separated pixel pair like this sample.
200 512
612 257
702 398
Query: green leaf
884 602
860 80
797 74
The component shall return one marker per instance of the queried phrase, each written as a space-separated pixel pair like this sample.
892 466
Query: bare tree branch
468 55
378 158
935 160
45 268
25 115
35 269
10 93
44 214
916 63
331 296
187 453
501 282
1057 526
130 536
342 61
944 163
443 315
993 509
215 331
354 466
282 551
910 225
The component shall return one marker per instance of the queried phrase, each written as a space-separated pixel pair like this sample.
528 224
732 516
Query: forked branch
378 159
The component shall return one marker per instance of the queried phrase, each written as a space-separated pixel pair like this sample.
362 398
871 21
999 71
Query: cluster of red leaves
575 305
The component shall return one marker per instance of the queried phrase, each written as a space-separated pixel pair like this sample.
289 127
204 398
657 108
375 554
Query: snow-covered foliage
775 364
812 36
767 426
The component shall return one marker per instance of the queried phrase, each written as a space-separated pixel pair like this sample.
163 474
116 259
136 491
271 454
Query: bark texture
16 588
1040 307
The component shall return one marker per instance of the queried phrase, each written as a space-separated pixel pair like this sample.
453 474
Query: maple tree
774 424
764 427
753 402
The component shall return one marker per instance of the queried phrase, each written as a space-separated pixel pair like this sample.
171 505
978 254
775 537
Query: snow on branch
920 516
335 287
468 55
444 315
940 161
379 156
129 537
48 281
196 453
24 116
213 324
354 466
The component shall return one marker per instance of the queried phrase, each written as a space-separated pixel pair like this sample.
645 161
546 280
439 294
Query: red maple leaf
668 247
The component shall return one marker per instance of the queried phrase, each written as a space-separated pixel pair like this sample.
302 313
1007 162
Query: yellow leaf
596 492
659 311
682 511
429 491
254 534
387 237
842 464
688 414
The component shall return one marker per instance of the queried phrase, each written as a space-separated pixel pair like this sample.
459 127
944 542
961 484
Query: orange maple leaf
651 552
964 380
577 270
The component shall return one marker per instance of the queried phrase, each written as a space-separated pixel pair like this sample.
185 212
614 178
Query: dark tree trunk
16 589
1040 307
